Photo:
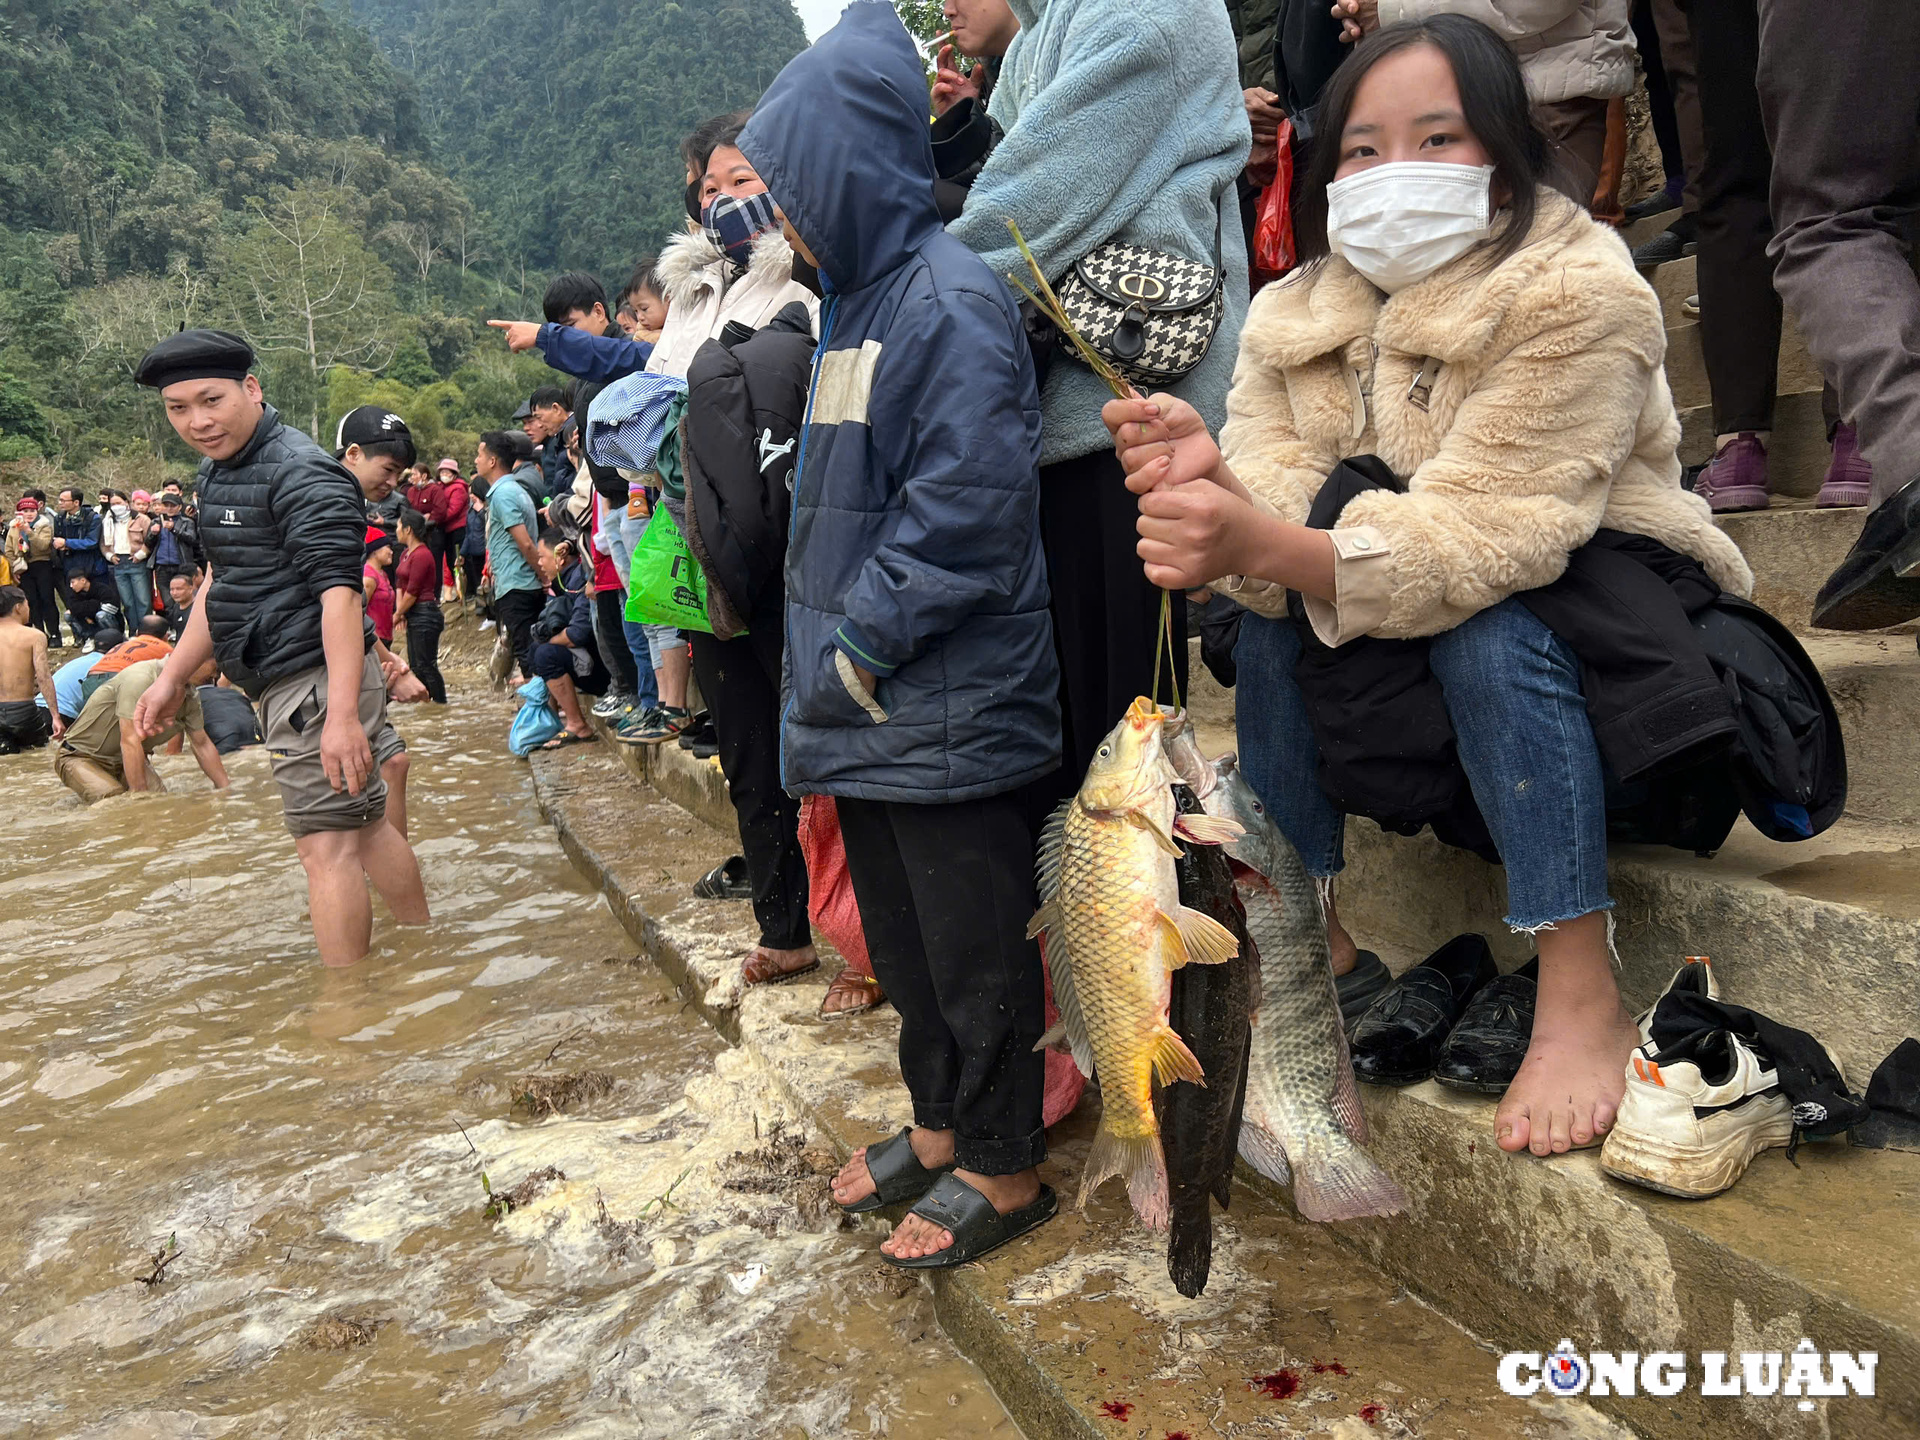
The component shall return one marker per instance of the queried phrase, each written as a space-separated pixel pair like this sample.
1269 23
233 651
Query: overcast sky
819 15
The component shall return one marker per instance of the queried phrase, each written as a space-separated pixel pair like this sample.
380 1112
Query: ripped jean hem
1534 927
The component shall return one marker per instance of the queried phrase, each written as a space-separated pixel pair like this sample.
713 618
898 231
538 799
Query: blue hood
843 141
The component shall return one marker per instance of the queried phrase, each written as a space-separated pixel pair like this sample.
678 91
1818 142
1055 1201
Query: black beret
195 355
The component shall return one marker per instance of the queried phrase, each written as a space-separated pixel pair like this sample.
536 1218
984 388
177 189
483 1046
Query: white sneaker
485 625
87 649
1695 975
1693 1118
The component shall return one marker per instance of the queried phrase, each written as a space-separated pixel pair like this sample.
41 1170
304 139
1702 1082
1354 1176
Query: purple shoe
1736 478
1849 479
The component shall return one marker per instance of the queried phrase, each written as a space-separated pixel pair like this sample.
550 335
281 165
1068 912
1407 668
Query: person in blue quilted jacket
920 671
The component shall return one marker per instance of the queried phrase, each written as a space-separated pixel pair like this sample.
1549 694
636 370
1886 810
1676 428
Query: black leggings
610 637
424 625
472 567
43 613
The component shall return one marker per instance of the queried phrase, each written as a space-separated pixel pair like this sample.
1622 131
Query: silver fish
1303 1123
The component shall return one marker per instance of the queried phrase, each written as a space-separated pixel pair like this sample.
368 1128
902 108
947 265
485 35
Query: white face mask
1398 223
120 512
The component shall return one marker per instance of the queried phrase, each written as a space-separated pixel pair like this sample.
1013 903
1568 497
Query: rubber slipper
566 738
852 982
897 1175
725 882
977 1228
1361 986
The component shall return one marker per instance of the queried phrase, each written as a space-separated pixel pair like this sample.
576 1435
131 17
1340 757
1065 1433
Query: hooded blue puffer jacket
915 548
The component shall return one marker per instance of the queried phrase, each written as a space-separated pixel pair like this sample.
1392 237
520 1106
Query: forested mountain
564 118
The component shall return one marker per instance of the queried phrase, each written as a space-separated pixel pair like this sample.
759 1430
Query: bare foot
932 1148
1569 1086
1343 952
914 1237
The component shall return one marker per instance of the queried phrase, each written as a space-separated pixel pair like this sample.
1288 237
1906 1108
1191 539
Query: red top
414 576
454 505
380 607
605 577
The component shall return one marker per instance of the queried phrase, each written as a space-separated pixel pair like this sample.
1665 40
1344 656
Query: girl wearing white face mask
1473 329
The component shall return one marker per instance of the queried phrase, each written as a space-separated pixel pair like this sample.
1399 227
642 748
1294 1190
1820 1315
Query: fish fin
1206 829
1137 1161
1335 1179
1046 918
1058 961
1346 1090
1054 1039
1190 1253
1172 1060
1261 1149
1051 847
1161 838
1202 940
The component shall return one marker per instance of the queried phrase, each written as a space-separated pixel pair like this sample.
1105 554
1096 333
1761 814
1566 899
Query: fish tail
1137 1160
1334 1179
1190 1251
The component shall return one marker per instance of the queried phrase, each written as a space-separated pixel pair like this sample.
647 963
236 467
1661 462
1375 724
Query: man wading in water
281 609
23 672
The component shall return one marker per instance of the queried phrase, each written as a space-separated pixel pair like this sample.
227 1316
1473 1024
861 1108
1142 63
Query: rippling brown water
173 1063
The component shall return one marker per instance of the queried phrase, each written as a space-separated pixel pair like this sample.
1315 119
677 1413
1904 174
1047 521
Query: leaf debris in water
546 1094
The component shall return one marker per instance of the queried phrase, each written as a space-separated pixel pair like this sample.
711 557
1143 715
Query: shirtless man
23 672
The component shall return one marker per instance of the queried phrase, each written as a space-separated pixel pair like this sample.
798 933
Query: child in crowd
920 663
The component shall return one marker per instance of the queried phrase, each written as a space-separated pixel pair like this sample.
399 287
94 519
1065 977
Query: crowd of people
1404 489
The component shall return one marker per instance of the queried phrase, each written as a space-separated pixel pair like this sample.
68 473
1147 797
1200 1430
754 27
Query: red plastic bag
1273 253
836 915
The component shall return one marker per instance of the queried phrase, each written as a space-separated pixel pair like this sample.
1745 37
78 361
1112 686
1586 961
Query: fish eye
1258 808
1106 752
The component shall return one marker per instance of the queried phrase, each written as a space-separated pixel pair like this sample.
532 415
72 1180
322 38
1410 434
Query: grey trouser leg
1840 94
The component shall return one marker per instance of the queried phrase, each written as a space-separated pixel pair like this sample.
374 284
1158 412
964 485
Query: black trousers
425 623
740 680
473 567
1739 309
945 893
42 611
609 632
436 542
1106 617
516 610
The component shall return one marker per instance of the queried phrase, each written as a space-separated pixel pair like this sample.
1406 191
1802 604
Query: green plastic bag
668 586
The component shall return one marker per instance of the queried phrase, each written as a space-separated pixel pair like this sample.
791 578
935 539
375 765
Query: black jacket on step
282 523
746 406
1702 704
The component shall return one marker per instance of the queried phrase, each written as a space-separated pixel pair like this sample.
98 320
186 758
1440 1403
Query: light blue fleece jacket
1124 122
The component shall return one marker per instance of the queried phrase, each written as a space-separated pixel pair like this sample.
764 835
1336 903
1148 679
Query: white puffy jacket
1567 48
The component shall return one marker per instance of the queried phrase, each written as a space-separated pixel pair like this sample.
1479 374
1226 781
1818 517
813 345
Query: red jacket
454 503
429 499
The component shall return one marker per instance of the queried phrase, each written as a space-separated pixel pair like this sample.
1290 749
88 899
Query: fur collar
691 265
1453 315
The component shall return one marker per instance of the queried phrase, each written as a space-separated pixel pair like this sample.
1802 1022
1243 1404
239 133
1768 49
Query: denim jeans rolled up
1512 690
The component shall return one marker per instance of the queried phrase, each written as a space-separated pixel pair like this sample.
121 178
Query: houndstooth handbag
1152 315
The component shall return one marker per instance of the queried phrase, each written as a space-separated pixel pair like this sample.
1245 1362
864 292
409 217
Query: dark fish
1210 1009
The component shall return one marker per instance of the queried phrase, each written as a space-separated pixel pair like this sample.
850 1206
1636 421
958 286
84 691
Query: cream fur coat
1548 417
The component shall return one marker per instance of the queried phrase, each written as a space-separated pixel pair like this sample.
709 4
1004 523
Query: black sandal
977 1228
897 1175
725 882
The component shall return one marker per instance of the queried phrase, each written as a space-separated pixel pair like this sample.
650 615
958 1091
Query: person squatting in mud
281 609
1458 318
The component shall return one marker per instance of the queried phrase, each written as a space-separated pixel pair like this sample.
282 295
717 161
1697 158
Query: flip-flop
897 1174
977 1228
851 982
566 738
726 881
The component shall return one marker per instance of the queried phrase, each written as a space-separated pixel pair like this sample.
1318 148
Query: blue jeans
1513 693
134 581
622 536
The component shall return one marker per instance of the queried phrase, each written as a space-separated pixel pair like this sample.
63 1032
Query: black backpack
746 407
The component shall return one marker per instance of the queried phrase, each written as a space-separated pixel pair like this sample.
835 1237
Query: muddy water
175 1068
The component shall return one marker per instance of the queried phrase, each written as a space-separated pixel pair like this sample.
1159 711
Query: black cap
369 425
526 409
522 445
195 355
169 497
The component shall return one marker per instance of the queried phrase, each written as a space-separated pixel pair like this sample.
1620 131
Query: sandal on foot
977 1228
851 983
566 738
758 969
897 1175
725 882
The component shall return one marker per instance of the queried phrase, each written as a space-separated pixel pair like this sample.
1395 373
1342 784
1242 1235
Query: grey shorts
292 713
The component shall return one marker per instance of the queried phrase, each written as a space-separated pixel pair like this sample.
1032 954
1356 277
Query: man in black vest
282 525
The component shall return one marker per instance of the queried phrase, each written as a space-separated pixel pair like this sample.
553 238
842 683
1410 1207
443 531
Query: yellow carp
1115 933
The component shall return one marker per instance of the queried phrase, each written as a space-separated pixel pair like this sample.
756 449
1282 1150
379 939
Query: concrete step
1673 283
1793 548
1687 366
1641 231
1797 451
1875 684
1824 935
1519 1249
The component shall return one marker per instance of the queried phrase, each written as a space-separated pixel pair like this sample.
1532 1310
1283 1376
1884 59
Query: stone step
1793 548
1525 1251
1673 283
1687 366
1641 231
1875 684
1797 451
1823 935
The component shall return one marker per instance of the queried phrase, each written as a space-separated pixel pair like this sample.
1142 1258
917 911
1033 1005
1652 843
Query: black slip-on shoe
1878 584
1676 242
1484 1052
1360 987
1398 1040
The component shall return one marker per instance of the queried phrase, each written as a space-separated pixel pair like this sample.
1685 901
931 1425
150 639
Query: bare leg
672 674
337 894
394 772
389 862
568 699
932 1148
1569 1086
1346 954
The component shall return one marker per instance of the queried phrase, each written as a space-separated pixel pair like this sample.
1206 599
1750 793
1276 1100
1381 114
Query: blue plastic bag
537 723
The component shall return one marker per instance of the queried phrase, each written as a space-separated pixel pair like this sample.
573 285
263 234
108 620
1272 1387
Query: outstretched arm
43 678
208 754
